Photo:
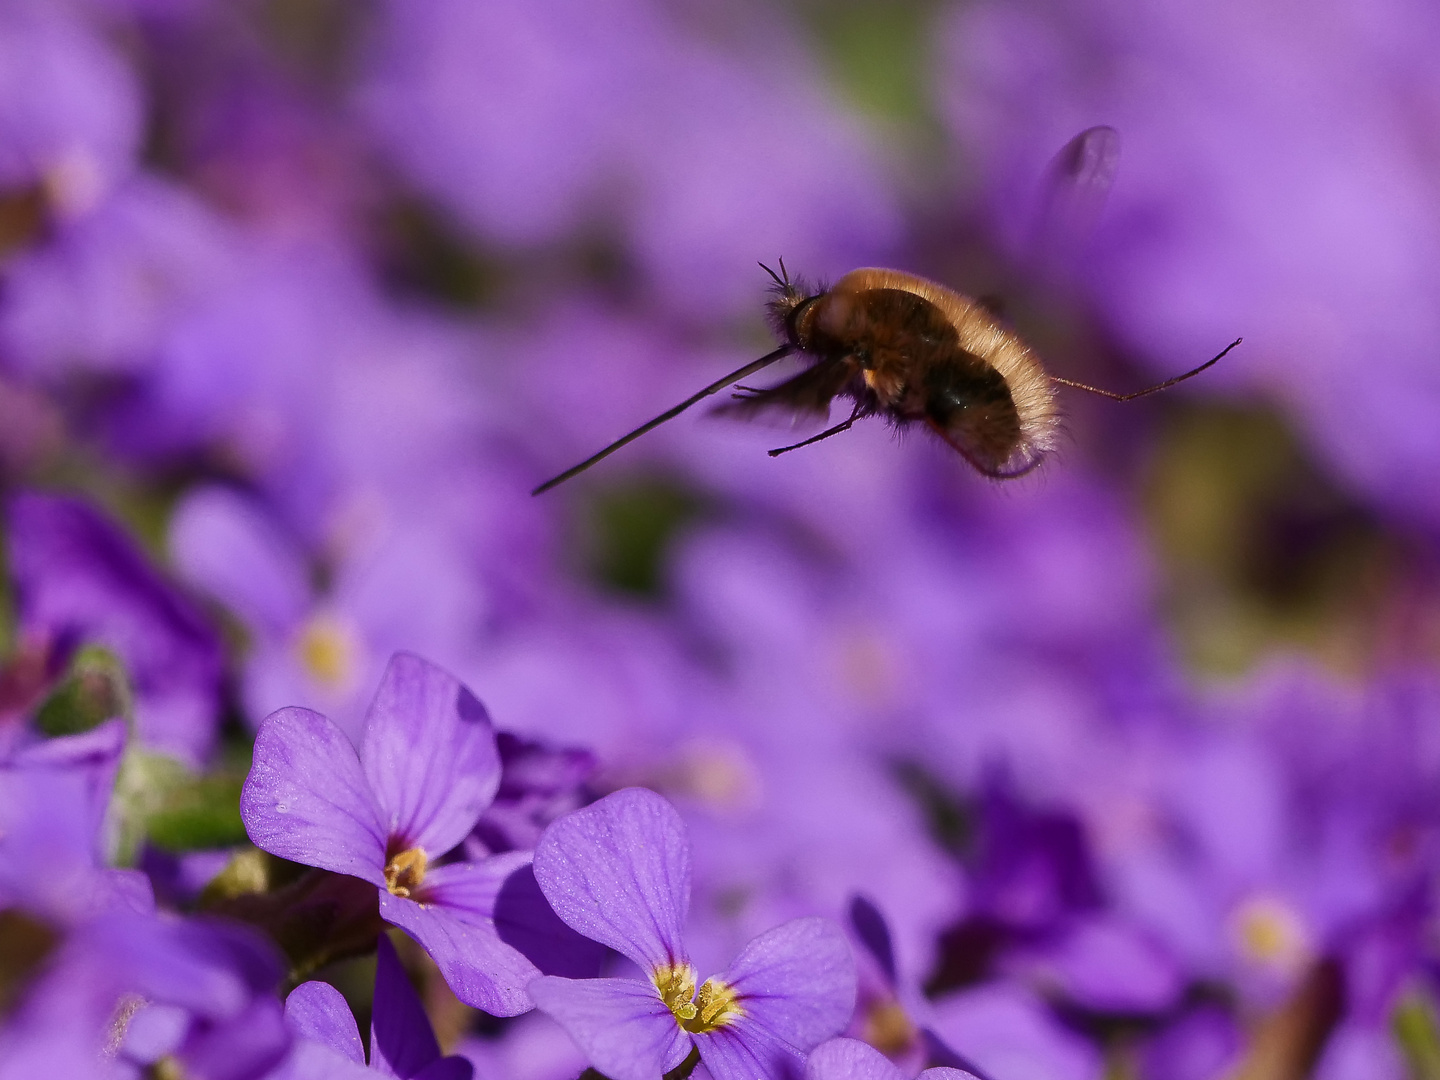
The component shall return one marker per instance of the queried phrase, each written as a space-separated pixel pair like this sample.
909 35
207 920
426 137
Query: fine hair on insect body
908 349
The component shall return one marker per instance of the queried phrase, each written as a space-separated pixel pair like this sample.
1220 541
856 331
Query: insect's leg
1113 396
855 414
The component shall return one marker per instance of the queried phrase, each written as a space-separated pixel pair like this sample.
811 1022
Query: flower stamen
676 984
405 871
718 1004
888 1028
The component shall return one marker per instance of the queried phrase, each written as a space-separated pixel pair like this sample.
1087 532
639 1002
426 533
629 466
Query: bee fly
910 350
913 351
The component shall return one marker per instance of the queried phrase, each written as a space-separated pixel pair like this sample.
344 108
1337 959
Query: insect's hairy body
910 350
915 351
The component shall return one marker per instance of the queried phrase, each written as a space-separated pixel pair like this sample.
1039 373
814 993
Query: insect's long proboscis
670 414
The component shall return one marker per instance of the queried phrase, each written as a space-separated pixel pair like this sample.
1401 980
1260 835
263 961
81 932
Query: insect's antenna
785 283
1149 389
669 414
784 273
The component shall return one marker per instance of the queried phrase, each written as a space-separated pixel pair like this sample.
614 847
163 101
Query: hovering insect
915 352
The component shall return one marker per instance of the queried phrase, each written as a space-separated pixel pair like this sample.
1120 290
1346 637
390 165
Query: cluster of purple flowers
846 764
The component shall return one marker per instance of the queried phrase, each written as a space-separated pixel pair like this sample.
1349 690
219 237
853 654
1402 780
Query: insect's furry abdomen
930 354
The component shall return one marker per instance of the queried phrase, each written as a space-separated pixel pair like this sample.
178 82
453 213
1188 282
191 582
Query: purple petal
500 892
454 926
316 1061
851 1059
80 579
447 1068
47 819
130 889
1008 1031
618 871
307 800
525 920
1106 965
621 1025
247 1046
318 1012
874 933
213 969
223 543
154 1031
744 1051
796 981
91 759
401 1040
429 751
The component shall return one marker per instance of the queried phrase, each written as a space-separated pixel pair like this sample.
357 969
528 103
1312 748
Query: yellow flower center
1270 933
327 651
888 1029
716 1005
405 871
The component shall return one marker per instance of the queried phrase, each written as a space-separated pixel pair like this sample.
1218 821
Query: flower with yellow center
1270 934
328 651
428 767
618 871
716 1005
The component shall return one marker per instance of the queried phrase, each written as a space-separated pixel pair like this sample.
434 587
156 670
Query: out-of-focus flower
1007 1031
1275 183
850 1059
575 114
79 580
402 1043
618 871
127 992
70 108
323 650
892 1013
99 296
538 783
427 770
53 800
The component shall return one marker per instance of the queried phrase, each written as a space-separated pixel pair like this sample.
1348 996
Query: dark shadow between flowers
525 921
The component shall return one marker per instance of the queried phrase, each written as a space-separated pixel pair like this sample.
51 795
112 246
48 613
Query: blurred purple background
1137 756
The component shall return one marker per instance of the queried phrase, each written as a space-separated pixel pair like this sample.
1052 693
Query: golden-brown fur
980 334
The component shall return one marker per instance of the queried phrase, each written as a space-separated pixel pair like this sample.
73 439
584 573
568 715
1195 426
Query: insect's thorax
907 351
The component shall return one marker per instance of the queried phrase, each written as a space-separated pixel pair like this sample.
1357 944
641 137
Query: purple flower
126 992
851 1059
1270 182
53 799
70 110
103 292
538 783
402 1043
322 651
80 580
618 871
569 109
426 771
893 1014
1009 1033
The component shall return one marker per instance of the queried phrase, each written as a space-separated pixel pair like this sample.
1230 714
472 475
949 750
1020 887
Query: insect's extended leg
855 414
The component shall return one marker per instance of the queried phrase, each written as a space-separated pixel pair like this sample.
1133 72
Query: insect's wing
1072 195
806 394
